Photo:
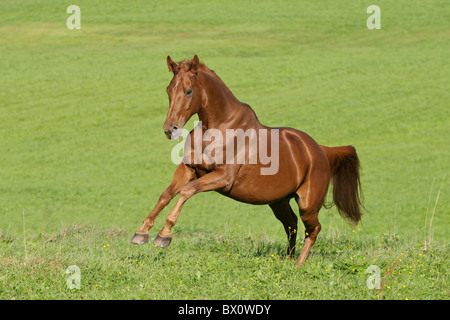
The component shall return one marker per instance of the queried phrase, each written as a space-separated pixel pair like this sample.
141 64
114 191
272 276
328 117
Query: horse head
184 95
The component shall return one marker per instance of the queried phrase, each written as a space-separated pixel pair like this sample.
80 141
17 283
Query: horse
304 169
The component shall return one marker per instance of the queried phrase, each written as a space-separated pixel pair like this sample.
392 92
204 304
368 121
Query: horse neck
221 109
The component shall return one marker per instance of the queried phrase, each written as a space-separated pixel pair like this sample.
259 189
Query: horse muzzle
173 132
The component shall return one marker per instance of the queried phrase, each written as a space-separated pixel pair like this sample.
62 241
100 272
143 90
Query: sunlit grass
83 157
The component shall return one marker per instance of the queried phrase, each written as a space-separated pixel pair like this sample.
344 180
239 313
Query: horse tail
347 192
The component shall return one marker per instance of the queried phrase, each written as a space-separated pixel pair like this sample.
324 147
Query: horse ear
171 64
194 64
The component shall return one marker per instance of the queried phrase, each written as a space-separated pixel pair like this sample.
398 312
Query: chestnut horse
304 168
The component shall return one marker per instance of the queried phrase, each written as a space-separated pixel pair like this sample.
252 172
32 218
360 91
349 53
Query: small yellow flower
228 253
243 289
326 270
388 287
251 279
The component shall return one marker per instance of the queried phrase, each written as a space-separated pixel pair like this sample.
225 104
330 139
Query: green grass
84 158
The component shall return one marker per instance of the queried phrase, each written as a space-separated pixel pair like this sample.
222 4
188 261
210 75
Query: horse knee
165 197
187 192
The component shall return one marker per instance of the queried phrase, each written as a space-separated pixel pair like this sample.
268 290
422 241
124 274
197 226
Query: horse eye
188 92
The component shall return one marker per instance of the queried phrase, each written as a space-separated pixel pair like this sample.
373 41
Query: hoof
140 238
162 242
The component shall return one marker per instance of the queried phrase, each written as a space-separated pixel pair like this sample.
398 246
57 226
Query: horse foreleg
182 175
211 181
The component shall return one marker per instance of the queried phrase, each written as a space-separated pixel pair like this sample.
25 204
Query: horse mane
185 64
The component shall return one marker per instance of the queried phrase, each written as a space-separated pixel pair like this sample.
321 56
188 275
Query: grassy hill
84 158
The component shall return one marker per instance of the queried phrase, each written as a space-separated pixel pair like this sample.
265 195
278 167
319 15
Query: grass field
83 157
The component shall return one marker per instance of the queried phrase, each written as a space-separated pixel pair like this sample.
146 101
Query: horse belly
294 162
252 187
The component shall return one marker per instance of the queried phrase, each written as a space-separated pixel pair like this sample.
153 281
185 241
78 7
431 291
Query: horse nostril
174 128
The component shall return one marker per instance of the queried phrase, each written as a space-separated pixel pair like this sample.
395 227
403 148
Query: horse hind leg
286 215
312 229
310 201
